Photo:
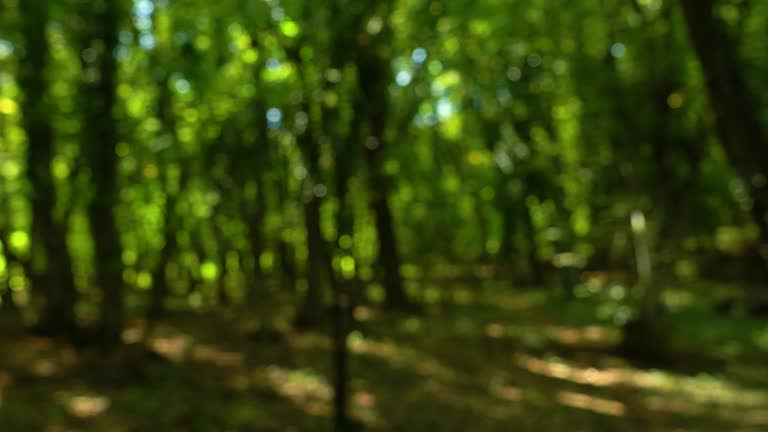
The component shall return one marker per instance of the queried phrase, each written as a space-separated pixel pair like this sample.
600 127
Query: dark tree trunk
284 248
372 74
738 124
508 224
222 248
100 78
287 265
532 252
256 215
312 309
6 301
11 261
344 296
389 256
160 289
318 259
340 362
255 159
51 271
480 220
223 288
345 222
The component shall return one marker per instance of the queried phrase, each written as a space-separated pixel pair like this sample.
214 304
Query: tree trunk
532 253
160 287
318 260
508 224
311 311
374 82
255 225
284 248
738 124
51 271
11 261
389 256
100 96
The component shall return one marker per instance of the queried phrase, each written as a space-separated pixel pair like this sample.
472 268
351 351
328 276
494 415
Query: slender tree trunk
312 309
284 249
532 252
256 215
318 260
482 223
389 256
346 290
287 265
256 288
508 223
374 81
51 269
160 289
100 99
340 361
644 266
11 261
6 301
344 296
223 288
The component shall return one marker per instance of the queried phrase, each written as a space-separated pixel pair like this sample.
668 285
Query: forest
383 215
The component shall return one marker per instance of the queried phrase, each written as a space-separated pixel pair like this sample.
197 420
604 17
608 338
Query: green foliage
274 156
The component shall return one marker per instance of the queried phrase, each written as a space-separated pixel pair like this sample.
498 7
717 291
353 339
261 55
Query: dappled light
87 406
212 354
402 357
590 336
586 402
174 348
406 215
303 387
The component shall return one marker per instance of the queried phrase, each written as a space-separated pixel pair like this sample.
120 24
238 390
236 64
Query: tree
736 115
51 268
101 137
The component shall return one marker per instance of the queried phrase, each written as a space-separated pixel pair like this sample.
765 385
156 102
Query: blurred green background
412 215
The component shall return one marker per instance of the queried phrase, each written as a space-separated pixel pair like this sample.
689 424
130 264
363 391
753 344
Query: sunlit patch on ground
364 407
564 371
305 388
400 356
511 303
214 355
673 406
701 389
43 368
587 402
506 392
363 313
591 336
173 348
132 335
478 404
87 406
495 330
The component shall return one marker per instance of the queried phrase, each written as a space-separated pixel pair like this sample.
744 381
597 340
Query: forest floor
478 358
